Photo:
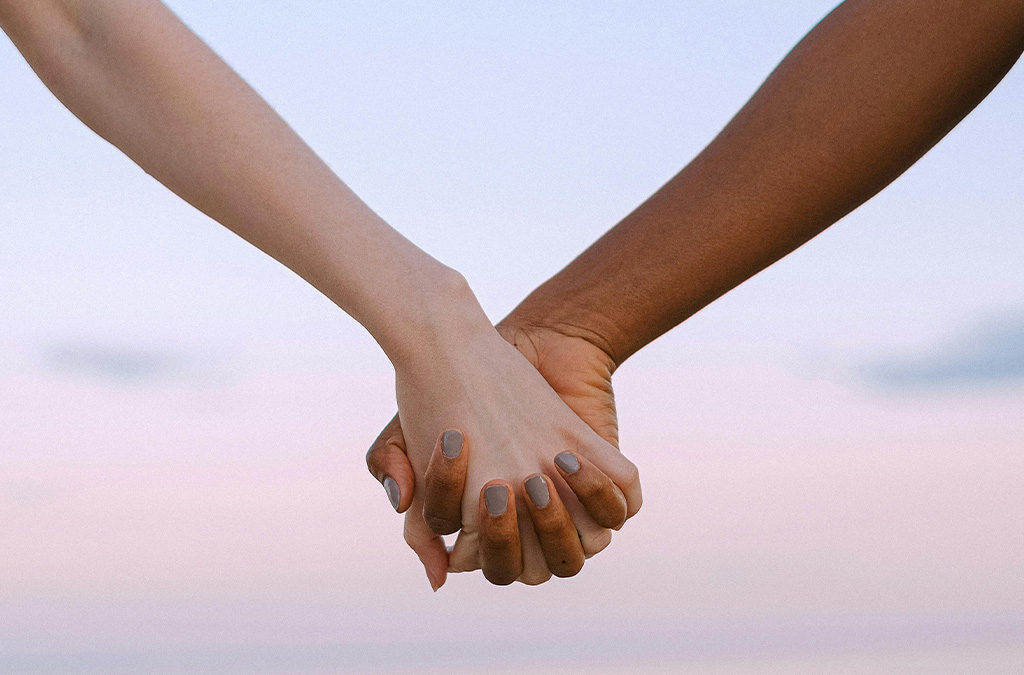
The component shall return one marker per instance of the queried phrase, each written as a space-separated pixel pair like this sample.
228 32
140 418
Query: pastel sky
832 455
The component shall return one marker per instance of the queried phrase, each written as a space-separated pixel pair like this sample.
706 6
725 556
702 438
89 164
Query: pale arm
131 71
137 76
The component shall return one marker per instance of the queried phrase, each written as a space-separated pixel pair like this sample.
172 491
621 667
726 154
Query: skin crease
132 72
860 99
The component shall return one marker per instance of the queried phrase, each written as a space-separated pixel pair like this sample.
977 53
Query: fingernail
451 444
537 488
567 462
496 500
434 584
394 492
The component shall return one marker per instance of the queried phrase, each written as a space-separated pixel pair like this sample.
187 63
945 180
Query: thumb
428 546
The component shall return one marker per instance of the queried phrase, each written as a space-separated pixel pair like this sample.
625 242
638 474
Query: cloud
119 363
990 355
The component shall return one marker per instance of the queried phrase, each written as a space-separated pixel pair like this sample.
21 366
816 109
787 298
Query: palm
579 372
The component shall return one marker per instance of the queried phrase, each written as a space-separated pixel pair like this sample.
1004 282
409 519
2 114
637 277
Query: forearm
861 98
138 77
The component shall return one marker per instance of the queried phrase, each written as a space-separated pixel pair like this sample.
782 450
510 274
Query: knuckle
608 517
609 509
460 565
379 456
595 542
534 577
551 528
390 438
612 520
443 482
498 544
631 474
413 538
439 506
589 489
465 555
373 461
635 506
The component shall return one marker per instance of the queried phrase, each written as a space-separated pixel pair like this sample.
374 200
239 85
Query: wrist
544 311
441 317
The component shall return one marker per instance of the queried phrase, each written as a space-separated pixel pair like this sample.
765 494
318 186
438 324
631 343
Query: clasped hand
515 444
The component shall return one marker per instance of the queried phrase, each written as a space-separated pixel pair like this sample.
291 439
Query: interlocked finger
563 550
444 482
500 551
601 498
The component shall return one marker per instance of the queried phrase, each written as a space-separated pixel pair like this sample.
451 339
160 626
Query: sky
831 454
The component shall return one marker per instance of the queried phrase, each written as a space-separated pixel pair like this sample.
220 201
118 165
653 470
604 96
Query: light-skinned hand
589 489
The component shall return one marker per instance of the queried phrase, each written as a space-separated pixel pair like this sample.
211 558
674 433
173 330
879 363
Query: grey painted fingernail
451 444
394 492
537 488
567 462
496 499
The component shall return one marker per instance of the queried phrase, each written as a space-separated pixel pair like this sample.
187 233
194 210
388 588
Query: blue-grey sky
182 421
